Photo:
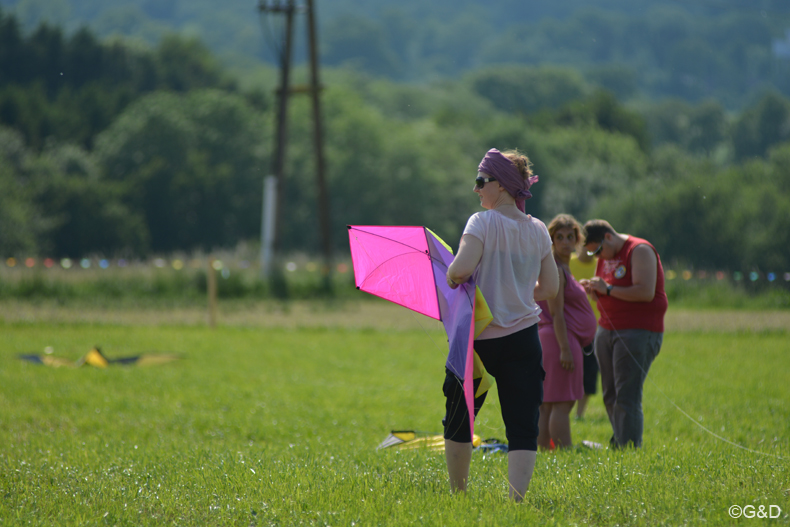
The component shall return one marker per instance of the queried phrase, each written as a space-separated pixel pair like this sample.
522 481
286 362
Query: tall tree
192 164
762 126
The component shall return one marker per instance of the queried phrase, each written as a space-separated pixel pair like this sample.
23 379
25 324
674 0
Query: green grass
279 427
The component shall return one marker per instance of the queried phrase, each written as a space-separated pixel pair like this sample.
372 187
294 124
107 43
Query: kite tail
469 382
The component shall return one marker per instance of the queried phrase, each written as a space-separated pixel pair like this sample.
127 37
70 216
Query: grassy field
273 419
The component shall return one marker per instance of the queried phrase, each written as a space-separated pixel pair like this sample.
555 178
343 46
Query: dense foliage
730 49
135 150
71 88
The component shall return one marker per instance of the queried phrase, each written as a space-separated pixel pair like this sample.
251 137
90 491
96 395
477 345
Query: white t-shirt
509 268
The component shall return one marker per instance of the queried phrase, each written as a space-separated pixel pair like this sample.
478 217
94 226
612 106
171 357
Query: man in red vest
629 288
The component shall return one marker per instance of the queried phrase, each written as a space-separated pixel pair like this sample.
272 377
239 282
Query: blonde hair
521 161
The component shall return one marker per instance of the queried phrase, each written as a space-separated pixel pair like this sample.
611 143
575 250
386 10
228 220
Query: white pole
267 223
211 287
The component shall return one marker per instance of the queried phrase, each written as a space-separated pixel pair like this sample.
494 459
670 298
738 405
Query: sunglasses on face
596 251
480 181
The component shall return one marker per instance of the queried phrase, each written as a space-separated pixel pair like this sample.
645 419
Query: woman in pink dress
567 324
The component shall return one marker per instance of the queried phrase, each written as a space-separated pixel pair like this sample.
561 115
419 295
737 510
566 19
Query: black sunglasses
480 181
596 251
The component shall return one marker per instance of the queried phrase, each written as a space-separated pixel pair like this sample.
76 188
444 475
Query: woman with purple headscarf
508 253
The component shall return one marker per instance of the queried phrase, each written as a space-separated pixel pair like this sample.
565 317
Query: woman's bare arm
470 251
548 280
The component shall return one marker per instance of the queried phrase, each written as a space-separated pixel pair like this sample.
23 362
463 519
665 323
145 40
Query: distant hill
729 50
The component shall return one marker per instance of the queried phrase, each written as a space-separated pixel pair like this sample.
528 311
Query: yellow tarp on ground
409 439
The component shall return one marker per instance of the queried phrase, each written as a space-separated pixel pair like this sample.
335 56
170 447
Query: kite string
714 434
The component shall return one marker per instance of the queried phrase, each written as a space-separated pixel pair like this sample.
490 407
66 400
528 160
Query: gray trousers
625 357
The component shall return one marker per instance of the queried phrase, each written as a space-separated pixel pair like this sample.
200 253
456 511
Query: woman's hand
566 359
453 285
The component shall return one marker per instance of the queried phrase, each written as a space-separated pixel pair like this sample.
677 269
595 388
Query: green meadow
273 418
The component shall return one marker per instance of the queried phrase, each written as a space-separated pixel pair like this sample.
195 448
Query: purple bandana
505 172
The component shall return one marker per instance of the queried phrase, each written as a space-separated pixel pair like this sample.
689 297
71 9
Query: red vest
620 314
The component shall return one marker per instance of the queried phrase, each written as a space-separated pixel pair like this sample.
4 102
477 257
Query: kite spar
408 266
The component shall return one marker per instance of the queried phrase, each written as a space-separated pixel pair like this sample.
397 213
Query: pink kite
407 266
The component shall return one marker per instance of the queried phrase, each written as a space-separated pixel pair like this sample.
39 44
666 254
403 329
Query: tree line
177 163
666 51
693 49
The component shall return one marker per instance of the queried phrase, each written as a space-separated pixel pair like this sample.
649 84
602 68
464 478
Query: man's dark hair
595 231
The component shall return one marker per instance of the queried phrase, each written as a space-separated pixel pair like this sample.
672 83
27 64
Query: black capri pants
516 362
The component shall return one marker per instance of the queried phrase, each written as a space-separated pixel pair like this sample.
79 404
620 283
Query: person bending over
629 288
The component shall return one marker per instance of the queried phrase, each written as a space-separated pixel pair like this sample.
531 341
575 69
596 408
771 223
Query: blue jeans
625 357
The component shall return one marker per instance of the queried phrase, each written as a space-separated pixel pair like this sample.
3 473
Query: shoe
592 444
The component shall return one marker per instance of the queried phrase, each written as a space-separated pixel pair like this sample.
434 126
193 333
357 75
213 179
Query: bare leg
459 457
582 406
544 437
520 465
560 424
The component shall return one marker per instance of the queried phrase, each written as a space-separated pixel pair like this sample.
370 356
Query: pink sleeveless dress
563 385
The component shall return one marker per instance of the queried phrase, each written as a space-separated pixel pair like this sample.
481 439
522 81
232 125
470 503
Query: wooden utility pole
288 8
323 194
